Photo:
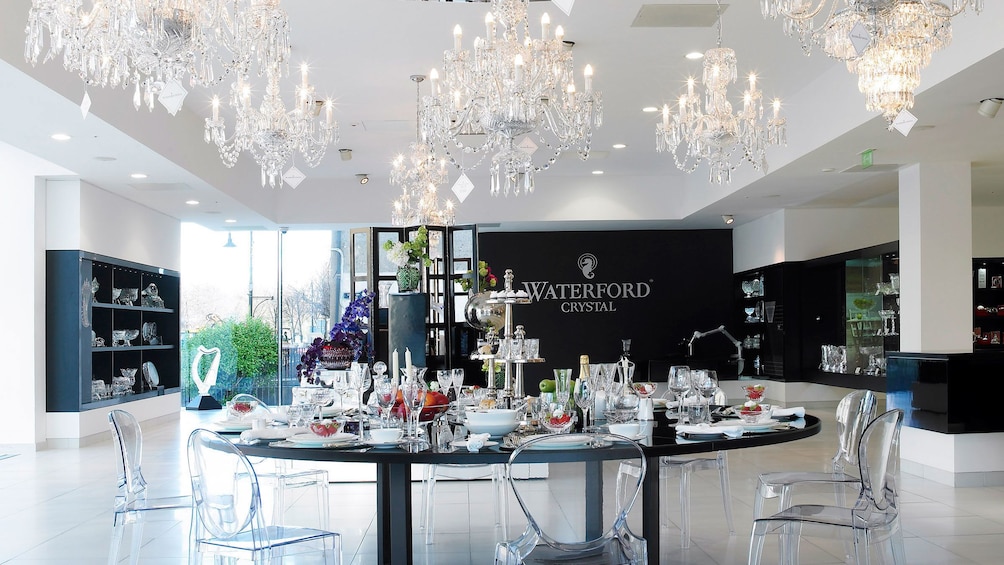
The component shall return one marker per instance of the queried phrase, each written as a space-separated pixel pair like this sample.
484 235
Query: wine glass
445 379
679 383
413 394
706 384
386 395
457 381
319 398
583 395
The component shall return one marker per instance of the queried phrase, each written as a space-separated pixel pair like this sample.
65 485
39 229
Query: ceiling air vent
677 15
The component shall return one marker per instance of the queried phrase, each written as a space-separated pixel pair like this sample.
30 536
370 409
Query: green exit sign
866 158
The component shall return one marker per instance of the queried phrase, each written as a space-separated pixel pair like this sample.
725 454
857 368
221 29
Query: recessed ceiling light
827 170
61 137
230 221
138 176
619 145
105 159
192 202
649 109
694 55
597 172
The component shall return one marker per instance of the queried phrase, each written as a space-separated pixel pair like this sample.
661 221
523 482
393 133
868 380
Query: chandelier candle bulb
303 77
752 83
518 69
559 34
216 108
458 34
571 95
489 27
545 26
434 81
665 114
588 73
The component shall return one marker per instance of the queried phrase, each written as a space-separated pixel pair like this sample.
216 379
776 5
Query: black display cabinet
75 356
768 315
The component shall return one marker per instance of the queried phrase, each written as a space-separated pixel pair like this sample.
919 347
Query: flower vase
408 278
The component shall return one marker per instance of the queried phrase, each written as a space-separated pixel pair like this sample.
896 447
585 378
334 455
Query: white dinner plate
463 443
558 441
232 425
757 427
383 444
701 436
316 440
294 445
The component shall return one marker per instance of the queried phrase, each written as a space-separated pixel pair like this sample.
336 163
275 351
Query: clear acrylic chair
284 478
672 466
227 520
559 529
131 502
874 517
495 472
853 413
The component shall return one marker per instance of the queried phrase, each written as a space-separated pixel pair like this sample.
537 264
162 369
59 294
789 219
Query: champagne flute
679 383
445 378
413 393
584 392
562 384
458 382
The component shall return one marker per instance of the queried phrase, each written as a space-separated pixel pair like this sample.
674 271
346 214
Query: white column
936 251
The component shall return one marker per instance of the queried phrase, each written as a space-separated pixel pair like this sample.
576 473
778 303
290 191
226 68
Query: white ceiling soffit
677 15
885 168
160 186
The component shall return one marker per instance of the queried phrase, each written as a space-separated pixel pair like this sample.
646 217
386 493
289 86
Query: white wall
759 243
22 333
83 216
988 231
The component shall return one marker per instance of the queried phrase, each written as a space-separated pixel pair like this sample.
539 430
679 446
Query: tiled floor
54 508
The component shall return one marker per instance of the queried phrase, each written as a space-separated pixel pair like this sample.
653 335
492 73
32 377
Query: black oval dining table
393 477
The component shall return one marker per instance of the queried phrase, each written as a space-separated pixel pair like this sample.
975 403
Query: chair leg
898 550
756 543
429 502
723 476
685 507
113 550
137 541
791 535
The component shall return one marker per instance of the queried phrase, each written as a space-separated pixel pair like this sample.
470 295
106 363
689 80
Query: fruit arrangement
754 392
751 407
557 420
325 428
435 403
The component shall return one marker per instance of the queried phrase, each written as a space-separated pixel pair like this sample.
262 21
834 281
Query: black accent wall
654 287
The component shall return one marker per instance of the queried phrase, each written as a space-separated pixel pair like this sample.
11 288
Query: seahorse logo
587 263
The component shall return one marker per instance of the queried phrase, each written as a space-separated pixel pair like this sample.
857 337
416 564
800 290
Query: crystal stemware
749 314
706 384
584 393
562 386
385 390
413 394
457 380
747 287
679 383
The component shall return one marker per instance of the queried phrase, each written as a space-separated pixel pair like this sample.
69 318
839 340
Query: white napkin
796 411
476 441
250 436
687 401
728 431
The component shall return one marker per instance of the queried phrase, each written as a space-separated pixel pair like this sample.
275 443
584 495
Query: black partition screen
592 289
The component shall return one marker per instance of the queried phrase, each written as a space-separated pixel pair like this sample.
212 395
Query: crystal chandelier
419 175
271 133
510 95
715 134
151 44
887 43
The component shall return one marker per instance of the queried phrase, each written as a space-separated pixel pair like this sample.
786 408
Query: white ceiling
362 53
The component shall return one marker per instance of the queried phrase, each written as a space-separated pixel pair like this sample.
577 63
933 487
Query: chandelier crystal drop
714 133
420 174
272 134
887 43
511 95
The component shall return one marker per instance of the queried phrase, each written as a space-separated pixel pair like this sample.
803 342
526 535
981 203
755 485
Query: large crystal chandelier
887 43
419 174
511 95
268 131
714 134
151 44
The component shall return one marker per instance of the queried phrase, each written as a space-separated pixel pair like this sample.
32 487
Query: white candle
588 73
457 36
752 82
457 103
216 108
777 108
434 79
303 75
690 87
747 101
395 368
489 28
683 108
407 362
518 69
327 111
571 94
545 26
665 116
559 33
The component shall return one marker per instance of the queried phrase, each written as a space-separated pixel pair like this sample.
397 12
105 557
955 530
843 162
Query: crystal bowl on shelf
128 296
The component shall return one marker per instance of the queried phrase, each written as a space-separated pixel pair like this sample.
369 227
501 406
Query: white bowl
631 429
386 435
495 416
491 429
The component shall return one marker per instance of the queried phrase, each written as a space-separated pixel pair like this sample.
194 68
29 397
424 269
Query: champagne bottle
583 378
